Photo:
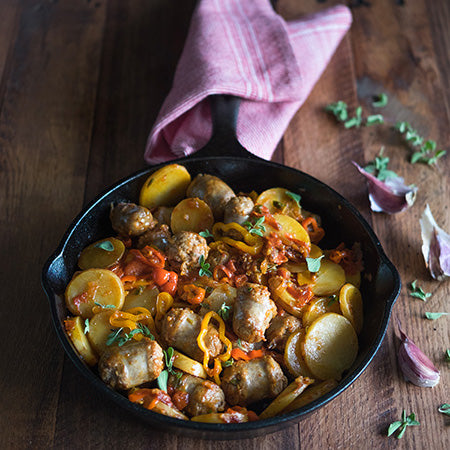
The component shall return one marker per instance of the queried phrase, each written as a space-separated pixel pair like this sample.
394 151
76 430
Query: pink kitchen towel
244 48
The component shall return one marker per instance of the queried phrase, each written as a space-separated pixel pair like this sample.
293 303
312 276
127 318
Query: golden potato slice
286 397
318 307
292 355
278 200
188 365
75 330
101 254
94 286
99 330
311 394
290 228
144 297
165 187
330 346
191 214
351 304
329 279
225 417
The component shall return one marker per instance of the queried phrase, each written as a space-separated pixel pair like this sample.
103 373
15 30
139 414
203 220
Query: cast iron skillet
226 158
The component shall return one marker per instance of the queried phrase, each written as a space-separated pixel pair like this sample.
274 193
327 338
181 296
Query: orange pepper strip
155 257
193 294
238 353
317 233
225 270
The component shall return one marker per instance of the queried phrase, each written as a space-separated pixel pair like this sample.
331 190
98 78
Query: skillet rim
265 426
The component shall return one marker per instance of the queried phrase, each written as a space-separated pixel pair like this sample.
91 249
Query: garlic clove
391 196
415 365
435 246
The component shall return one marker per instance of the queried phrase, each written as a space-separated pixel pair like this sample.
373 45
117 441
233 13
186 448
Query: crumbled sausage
185 250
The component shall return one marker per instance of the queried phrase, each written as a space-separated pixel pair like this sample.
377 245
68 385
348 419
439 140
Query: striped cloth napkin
243 48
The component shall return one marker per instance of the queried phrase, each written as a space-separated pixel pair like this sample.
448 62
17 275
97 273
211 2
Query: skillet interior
380 286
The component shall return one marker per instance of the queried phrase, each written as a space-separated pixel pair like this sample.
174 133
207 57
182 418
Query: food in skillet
216 307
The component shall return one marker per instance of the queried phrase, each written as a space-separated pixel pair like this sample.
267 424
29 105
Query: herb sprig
314 263
257 228
401 425
164 375
418 292
121 339
206 234
224 311
204 267
105 306
378 167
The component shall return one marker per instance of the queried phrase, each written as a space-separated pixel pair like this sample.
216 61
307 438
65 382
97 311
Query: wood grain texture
81 84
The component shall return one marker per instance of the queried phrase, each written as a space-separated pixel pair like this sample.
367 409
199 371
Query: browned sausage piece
238 209
180 329
128 219
246 382
185 250
253 311
158 237
134 363
215 192
281 327
162 214
203 396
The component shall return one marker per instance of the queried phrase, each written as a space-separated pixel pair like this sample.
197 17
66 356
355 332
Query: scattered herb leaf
447 355
445 409
204 267
339 110
380 101
228 363
355 121
112 337
205 234
401 425
104 306
418 292
434 315
257 228
332 299
278 204
224 311
239 344
427 153
162 380
86 326
295 197
378 167
168 357
139 290
105 245
314 263
374 120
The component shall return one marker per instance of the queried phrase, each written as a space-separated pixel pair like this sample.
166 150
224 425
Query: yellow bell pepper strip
215 371
251 243
131 318
164 302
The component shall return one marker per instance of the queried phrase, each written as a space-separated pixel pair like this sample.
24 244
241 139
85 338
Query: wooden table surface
82 83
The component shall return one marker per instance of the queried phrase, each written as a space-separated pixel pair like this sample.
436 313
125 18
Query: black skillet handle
224 113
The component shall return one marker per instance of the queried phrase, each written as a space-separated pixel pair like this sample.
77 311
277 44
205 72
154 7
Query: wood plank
45 127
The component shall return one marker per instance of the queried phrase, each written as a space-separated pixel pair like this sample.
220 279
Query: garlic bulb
415 365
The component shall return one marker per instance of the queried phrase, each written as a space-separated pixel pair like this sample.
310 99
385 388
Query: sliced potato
161 408
99 330
165 187
329 279
144 297
330 346
188 365
351 304
277 287
225 417
311 394
277 200
191 214
318 307
286 397
101 254
293 357
290 229
93 286
75 331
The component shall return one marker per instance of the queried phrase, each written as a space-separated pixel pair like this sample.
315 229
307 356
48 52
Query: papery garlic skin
415 365
435 247
391 196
